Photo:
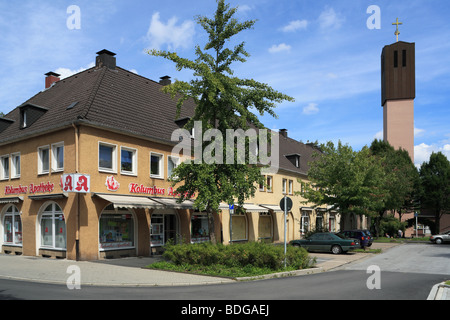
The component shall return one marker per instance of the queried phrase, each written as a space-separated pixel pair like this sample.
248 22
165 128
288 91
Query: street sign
288 204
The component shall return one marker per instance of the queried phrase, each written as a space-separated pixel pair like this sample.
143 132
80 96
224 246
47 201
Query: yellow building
84 168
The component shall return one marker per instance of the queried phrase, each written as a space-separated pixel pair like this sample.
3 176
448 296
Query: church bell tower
398 91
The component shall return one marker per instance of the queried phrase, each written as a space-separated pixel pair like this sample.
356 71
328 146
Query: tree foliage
223 101
435 181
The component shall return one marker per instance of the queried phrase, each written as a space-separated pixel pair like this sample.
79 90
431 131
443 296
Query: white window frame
40 160
4 176
262 187
54 160
53 215
133 171
160 175
113 157
284 186
15 172
291 187
15 216
176 161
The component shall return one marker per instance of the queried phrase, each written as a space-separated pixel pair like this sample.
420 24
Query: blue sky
320 52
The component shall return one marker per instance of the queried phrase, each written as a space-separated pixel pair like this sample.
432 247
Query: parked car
327 242
440 238
365 240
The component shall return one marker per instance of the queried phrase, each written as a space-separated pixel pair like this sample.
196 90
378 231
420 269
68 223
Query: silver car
440 238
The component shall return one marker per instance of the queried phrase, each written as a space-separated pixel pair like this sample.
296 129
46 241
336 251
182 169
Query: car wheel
438 241
336 249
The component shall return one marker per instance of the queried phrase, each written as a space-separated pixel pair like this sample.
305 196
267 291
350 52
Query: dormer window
30 113
294 159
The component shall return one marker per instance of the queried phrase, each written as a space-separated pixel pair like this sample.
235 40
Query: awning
51 196
11 200
173 204
249 207
273 207
306 209
130 202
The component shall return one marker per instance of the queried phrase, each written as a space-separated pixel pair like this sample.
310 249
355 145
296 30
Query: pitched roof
116 99
120 100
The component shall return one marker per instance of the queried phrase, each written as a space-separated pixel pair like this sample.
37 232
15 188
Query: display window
239 227
265 226
199 228
12 226
116 229
53 228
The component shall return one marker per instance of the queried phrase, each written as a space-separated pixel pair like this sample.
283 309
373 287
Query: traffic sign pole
285 223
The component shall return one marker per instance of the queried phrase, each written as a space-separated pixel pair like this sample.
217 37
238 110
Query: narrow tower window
395 59
404 58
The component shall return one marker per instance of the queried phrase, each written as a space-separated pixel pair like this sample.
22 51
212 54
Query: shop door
170 228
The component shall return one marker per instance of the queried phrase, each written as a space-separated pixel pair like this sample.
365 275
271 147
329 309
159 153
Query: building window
304 222
58 157
156 165
4 166
291 187
269 183
15 165
199 228
265 226
404 58
239 227
116 229
107 157
53 228
172 163
284 186
395 59
128 161
43 160
12 224
261 185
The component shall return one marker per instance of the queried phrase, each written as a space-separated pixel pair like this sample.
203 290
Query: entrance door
170 228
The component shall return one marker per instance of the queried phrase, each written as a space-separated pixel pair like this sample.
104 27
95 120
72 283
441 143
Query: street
407 272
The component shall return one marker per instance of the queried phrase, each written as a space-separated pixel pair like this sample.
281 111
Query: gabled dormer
5 123
294 158
29 113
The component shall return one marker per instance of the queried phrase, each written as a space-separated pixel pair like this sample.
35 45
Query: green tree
435 182
348 180
401 180
222 101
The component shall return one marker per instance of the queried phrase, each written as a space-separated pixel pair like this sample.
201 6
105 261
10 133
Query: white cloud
329 19
418 132
65 72
379 135
295 25
171 35
422 152
311 109
279 48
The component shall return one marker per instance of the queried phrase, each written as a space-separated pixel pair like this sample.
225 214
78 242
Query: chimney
52 77
105 58
283 132
165 81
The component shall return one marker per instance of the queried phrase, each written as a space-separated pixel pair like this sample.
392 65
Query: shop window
12 224
116 229
43 160
15 165
58 157
157 230
239 227
4 167
199 228
265 226
128 161
172 163
107 157
304 222
156 165
53 228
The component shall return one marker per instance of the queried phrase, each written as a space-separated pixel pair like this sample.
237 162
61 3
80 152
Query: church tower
398 91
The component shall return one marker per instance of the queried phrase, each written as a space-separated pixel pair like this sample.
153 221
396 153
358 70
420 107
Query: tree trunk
211 226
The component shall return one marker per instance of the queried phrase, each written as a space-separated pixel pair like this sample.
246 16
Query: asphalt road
406 272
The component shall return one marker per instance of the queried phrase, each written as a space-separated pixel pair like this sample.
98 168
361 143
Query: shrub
247 255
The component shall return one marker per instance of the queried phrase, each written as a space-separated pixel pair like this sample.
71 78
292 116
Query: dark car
365 240
327 242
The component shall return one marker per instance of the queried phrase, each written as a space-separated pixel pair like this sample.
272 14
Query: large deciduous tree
223 102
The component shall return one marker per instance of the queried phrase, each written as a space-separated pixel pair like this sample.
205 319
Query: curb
439 292
282 274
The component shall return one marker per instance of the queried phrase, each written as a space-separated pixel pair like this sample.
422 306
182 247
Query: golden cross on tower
396 31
